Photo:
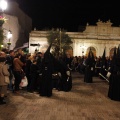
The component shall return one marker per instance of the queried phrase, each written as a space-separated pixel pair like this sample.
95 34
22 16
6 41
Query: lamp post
60 40
9 35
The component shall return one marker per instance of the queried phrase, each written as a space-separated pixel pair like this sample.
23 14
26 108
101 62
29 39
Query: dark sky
69 14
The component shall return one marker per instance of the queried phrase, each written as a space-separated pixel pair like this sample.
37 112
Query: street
86 101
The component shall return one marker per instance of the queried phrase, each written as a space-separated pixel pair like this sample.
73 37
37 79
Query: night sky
69 14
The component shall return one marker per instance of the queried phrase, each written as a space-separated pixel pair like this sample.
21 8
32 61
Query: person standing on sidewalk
3 86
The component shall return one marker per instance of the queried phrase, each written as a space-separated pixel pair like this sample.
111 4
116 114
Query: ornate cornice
78 35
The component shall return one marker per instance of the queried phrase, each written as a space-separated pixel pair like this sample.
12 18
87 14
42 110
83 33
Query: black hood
103 60
47 54
90 60
118 56
114 57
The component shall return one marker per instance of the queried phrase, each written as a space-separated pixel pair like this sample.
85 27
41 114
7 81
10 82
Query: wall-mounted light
9 35
83 49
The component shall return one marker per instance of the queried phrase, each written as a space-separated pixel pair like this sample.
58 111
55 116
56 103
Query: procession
43 72
59 60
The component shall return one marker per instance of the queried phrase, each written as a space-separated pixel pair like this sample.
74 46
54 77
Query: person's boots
2 101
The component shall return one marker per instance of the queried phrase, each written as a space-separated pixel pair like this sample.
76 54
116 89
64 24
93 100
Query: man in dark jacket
9 61
33 76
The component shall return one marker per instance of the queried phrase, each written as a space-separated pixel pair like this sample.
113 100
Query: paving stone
86 101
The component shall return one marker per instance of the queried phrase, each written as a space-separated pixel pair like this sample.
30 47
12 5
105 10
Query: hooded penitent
114 57
47 54
103 60
103 64
89 70
90 60
118 56
47 71
114 82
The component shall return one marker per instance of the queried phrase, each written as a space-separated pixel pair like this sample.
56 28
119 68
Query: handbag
24 82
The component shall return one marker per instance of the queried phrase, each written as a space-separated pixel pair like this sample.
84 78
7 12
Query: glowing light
3 5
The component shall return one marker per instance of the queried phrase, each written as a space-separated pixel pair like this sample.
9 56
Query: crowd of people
45 71
39 70
104 67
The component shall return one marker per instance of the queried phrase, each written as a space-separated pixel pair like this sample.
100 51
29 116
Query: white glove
68 73
108 74
59 74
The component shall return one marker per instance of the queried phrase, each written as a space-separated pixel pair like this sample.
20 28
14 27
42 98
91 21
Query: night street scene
59 60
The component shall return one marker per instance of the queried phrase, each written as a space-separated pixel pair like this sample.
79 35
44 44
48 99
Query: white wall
41 40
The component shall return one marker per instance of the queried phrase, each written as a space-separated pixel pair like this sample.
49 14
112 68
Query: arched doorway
93 50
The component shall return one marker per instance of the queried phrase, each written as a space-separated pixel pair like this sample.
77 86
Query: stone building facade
98 37
18 23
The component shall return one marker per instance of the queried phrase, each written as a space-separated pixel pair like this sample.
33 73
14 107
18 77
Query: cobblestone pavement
86 101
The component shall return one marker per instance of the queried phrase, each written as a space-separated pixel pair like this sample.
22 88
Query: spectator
33 76
9 61
17 71
27 68
3 86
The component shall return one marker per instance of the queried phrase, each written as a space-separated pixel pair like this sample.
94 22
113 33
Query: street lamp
60 40
9 35
3 5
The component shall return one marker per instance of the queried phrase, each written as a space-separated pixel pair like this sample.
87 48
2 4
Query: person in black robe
103 65
90 66
47 71
97 66
114 81
39 60
68 60
65 80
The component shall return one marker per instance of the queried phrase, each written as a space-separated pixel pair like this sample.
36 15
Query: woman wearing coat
3 86
17 72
